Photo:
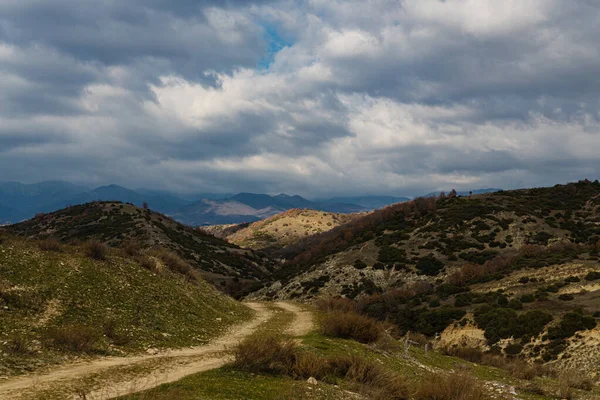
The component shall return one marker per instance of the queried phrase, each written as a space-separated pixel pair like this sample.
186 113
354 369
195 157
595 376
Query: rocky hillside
487 264
116 223
61 301
282 229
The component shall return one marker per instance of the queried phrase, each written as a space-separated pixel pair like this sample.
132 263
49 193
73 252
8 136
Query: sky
314 97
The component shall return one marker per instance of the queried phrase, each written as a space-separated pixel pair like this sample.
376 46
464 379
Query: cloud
313 97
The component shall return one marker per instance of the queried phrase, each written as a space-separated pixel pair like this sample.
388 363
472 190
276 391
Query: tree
145 206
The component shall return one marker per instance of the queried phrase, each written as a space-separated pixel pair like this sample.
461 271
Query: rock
312 381
152 351
219 319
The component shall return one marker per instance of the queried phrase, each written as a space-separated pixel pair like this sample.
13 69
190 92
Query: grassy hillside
270 368
512 272
62 301
116 223
282 229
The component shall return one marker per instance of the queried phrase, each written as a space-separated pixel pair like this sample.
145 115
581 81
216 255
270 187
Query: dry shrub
111 330
452 386
307 364
470 354
576 380
174 263
50 245
336 304
73 337
96 250
465 274
493 360
131 248
564 389
17 345
533 388
350 325
265 354
146 262
274 355
523 370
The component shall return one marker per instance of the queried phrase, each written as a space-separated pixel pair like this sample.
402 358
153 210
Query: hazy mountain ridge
19 202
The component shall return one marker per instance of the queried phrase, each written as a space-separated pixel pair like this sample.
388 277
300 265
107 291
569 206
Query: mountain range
20 201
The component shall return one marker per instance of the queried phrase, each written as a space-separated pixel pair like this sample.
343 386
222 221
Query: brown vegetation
50 245
96 250
454 386
275 355
174 262
72 337
351 325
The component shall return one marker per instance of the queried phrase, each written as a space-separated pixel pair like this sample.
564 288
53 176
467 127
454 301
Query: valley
107 299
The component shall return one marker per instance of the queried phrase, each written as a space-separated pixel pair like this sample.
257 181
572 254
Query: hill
249 207
116 223
487 260
59 302
370 202
281 230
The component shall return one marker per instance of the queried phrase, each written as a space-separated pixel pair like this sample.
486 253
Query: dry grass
96 250
17 345
350 325
174 263
274 355
77 338
265 354
131 248
455 386
337 304
576 380
516 367
50 245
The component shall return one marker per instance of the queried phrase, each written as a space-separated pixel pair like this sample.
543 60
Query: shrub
50 245
470 354
513 349
566 297
96 250
265 354
454 386
131 248
336 304
349 325
359 264
571 322
527 298
435 302
515 304
429 265
576 380
174 262
522 370
275 355
146 262
17 345
592 276
77 338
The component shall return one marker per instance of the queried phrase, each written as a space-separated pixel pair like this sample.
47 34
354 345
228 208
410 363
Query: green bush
592 276
429 265
571 322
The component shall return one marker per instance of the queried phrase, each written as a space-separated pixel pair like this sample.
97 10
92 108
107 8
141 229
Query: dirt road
111 377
